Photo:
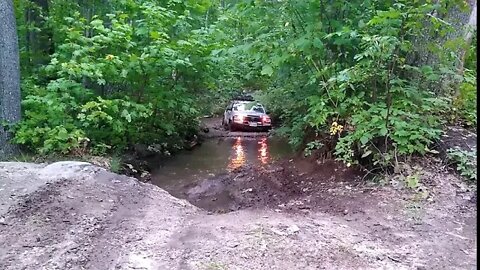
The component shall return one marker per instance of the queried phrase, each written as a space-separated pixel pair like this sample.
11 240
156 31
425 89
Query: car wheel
224 124
231 127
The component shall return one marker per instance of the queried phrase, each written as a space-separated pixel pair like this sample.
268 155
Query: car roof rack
244 97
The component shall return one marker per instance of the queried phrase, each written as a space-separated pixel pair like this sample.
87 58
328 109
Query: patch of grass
35 158
115 164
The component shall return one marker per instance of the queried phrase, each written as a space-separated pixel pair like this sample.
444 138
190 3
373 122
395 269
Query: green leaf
154 35
267 70
364 139
317 43
383 131
125 114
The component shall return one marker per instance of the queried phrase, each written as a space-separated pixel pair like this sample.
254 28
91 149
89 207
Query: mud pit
293 185
286 214
441 225
80 216
430 227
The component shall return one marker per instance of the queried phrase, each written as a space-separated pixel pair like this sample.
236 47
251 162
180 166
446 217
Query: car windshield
249 106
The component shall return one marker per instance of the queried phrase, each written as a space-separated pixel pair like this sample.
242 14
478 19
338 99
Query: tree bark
9 77
470 28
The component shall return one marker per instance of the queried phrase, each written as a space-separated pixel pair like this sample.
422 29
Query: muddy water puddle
215 157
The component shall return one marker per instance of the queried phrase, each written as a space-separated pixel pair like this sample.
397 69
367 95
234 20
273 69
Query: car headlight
238 118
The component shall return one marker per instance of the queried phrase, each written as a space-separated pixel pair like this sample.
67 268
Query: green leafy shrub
134 72
466 162
465 105
113 123
48 124
362 73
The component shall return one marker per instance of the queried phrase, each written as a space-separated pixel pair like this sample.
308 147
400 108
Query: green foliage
466 103
63 118
311 146
115 164
353 64
412 181
48 124
373 78
114 121
121 73
466 162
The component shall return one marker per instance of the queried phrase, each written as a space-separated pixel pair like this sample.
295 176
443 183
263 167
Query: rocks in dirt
103 162
2 221
247 190
192 142
283 231
134 167
474 198
293 229
66 169
145 176
204 128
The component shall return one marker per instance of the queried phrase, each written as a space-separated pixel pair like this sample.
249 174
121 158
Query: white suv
246 115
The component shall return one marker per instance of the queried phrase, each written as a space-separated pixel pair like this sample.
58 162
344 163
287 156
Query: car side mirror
267 112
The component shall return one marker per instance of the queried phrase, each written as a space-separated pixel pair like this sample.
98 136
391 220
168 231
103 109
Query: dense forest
366 82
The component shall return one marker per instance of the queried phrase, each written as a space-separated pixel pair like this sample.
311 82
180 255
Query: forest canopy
364 81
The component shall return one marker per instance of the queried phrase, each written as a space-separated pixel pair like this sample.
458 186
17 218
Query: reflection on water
217 156
238 157
263 151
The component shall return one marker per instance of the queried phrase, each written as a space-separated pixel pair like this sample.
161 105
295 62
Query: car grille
253 118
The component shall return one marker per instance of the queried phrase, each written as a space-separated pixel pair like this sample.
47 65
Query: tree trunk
463 23
42 41
9 77
470 28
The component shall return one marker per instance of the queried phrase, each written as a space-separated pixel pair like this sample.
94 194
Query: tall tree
9 76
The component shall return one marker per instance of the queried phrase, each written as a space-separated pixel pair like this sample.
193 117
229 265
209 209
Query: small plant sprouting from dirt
214 266
116 164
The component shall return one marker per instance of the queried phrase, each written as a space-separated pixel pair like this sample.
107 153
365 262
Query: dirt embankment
292 215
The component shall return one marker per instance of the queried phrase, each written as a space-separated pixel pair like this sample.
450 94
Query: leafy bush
63 118
357 80
129 73
465 105
49 123
113 123
466 162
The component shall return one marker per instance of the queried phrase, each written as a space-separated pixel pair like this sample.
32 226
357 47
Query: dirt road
78 216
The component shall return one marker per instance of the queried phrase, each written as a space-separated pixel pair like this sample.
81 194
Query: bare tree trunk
470 28
9 77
